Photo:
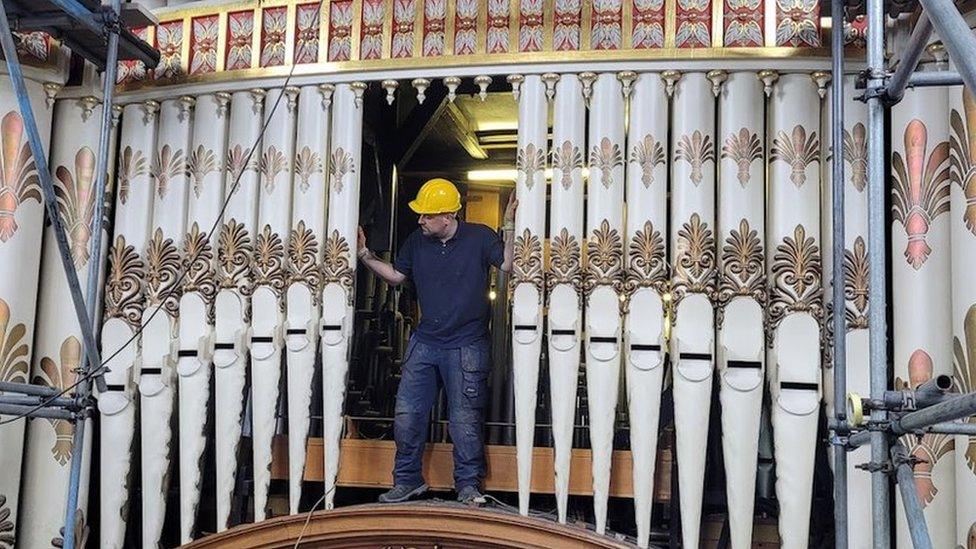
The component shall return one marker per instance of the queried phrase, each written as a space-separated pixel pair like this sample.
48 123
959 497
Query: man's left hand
510 208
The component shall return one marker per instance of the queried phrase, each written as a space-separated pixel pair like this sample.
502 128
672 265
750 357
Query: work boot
471 495
401 492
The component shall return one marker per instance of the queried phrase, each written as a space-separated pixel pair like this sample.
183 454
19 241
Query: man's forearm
381 268
508 234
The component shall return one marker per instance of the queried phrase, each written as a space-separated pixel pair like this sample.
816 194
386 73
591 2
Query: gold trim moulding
452 61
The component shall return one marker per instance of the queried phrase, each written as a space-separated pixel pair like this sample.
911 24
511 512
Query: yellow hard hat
436 196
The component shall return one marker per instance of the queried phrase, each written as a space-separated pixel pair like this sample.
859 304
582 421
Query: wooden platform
416 525
369 464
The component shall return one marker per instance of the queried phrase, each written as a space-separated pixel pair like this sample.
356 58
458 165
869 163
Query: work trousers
463 373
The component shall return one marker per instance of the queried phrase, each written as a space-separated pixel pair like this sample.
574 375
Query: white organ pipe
21 223
161 330
564 278
234 252
742 292
646 281
692 241
124 304
527 274
921 279
269 279
962 223
204 166
57 351
305 247
855 309
604 277
796 296
339 270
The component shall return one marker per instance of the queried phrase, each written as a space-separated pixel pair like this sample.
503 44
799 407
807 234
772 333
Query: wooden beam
461 128
369 464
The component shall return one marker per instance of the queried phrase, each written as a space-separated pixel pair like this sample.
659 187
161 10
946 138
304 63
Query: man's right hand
360 240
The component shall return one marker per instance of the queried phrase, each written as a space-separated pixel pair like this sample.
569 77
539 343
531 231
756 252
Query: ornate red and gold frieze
249 38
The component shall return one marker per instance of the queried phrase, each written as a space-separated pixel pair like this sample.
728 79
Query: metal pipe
934 78
933 391
948 410
33 411
83 390
31 400
840 343
949 428
81 14
956 36
27 389
877 323
47 186
909 59
909 497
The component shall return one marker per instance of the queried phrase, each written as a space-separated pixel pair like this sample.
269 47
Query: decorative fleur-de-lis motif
198 256
336 268
743 148
605 157
694 261
60 376
233 254
342 164
527 266
20 178
566 158
529 161
303 253
8 537
132 164
14 348
798 150
76 203
796 279
962 160
565 263
237 163
272 163
742 266
928 448
162 273
269 261
920 192
603 264
647 266
695 149
123 289
167 164
856 285
856 155
964 373
81 532
307 164
647 153
201 162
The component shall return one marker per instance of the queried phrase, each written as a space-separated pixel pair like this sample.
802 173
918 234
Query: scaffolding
102 36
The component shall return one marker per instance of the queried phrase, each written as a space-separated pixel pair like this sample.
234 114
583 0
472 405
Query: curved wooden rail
414 525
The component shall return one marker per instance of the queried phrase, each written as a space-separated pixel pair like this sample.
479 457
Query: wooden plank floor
369 463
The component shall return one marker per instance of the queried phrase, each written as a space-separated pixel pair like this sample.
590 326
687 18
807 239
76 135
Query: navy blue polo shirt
452 283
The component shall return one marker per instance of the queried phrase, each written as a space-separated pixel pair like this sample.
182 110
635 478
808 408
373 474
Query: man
448 262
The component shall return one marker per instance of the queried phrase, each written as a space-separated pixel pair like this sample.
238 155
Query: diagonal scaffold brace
105 26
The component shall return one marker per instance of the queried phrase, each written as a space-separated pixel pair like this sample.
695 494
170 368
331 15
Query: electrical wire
87 376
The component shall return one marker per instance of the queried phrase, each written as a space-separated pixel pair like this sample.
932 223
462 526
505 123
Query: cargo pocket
474 373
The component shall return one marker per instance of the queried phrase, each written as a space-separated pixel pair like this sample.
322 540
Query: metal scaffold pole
103 26
837 206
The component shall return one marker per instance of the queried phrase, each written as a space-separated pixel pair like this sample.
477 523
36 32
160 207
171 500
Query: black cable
97 371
